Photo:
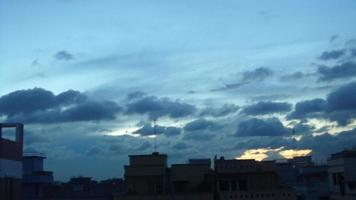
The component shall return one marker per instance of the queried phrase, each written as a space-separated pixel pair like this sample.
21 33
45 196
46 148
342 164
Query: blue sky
231 75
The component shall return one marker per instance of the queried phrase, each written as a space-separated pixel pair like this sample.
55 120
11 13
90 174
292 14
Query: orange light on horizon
265 153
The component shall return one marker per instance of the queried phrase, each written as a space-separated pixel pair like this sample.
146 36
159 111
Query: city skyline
240 79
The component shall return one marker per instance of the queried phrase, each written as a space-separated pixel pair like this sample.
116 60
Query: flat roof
149 155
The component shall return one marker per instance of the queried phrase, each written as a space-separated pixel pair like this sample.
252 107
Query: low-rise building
248 179
342 175
146 174
148 177
35 179
313 183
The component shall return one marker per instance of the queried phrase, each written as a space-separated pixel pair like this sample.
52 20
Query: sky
234 78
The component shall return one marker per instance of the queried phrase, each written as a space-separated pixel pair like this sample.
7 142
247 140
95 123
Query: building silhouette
147 174
36 180
342 175
149 177
11 162
248 179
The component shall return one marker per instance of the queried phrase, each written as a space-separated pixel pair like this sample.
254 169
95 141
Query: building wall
146 174
342 176
313 183
189 172
191 178
11 164
10 168
32 164
10 189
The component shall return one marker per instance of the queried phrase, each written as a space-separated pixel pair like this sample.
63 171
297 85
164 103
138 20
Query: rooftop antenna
155 134
295 144
294 138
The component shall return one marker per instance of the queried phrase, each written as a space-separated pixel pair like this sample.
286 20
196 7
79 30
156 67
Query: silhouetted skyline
240 79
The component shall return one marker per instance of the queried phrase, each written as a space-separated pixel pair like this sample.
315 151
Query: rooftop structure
35 179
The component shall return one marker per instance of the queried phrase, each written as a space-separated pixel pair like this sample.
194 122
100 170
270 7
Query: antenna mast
155 135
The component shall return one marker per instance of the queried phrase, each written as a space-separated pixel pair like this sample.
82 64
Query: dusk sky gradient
235 78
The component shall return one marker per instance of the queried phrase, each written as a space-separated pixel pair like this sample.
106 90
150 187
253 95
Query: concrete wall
32 164
10 168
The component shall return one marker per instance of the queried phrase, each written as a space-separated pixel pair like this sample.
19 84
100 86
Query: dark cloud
31 137
261 127
303 129
172 131
41 106
295 76
200 125
344 98
332 55
27 101
95 151
339 71
326 144
224 110
135 95
339 106
272 97
180 146
147 130
342 104
88 111
144 146
333 38
198 136
63 55
258 74
263 108
70 97
308 108
118 149
156 107
353 52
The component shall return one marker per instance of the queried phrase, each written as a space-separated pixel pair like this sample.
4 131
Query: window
334 179
233 185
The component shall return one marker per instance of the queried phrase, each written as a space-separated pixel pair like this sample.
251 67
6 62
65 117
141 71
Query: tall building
11 162
342 175
35 179
248 179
